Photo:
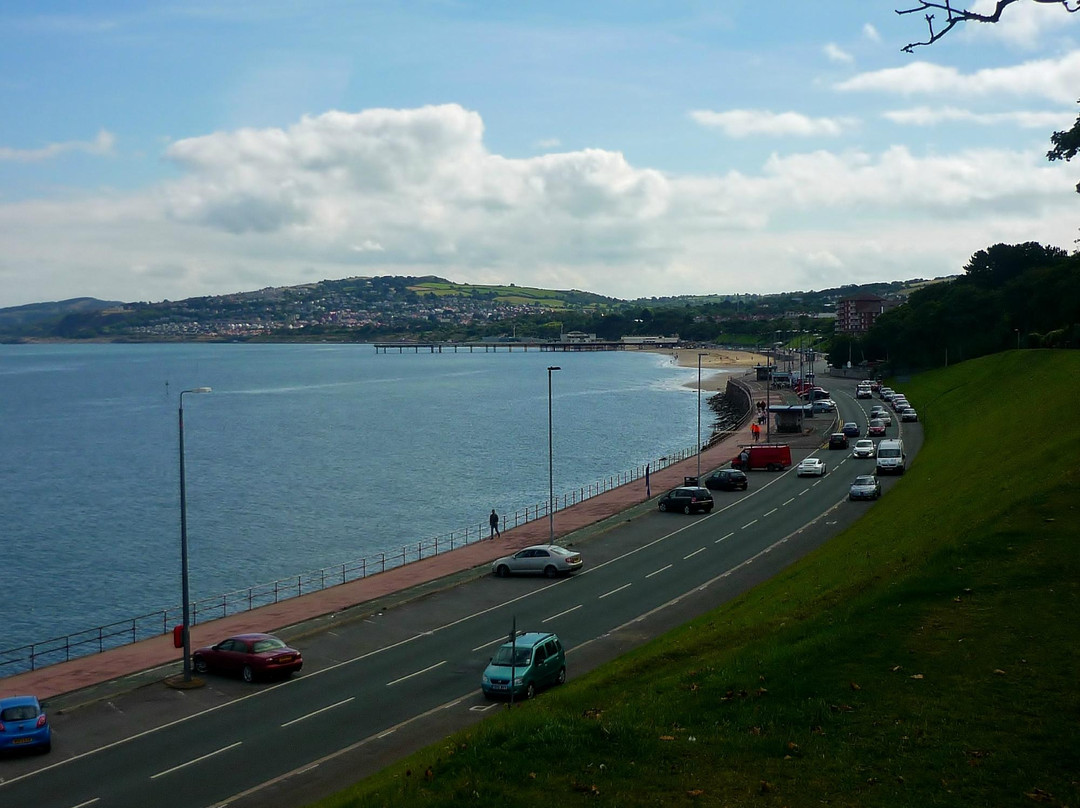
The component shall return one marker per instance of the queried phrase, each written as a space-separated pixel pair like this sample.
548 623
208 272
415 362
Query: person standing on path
493 523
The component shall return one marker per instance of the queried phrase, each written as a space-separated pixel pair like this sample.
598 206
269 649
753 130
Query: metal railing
124 632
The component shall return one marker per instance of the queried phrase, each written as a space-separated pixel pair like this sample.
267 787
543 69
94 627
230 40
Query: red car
251 656
876 429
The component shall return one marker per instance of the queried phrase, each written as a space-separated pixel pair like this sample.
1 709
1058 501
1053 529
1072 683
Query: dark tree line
1024 295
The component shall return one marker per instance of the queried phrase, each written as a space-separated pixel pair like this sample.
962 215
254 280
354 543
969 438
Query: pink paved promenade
66 677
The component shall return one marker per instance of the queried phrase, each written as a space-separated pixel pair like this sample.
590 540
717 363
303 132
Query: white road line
492 642
788 502
657 572
316 712
415 673
803 491
560 614
88 802
744 527
613 591
770 513
196 760
722 538
699 550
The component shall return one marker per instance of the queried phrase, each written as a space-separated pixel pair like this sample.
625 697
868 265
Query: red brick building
855 314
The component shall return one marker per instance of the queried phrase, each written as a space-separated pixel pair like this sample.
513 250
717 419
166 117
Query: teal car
530 662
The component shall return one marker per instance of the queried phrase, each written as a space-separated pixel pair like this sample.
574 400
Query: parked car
549 560
838 440
687 499
823 405
811 467
251 656
768 456
727 480
876 428
866 486
863 448
24 725
909 414
523 666
851 429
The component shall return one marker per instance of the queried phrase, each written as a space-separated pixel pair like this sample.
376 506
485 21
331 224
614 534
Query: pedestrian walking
493 523
755 430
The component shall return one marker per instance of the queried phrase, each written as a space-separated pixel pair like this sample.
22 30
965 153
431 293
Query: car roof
252 636
19 701
530 638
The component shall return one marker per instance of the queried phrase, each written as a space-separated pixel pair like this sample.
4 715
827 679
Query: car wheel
824 470
530 691
561 678
663 506
550 571
502 571
248 674
686 509
200 665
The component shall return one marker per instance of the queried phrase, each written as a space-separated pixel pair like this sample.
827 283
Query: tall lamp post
183 540
699 416
551 468
1017 330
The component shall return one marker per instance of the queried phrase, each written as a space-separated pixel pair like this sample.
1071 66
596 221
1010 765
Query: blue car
24 725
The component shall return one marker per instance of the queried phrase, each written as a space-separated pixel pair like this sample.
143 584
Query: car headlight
518 681
486 680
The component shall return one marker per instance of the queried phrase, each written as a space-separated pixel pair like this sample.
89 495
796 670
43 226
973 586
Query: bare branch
954 16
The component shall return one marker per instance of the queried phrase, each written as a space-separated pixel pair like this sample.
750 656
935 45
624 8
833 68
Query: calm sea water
302 457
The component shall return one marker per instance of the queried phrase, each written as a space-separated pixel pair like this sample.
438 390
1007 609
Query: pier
487 347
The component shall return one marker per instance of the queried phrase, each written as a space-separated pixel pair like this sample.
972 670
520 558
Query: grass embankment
927 656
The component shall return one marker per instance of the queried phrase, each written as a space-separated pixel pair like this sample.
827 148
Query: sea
302 456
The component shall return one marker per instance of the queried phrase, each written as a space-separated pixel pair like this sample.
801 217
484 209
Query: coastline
721 362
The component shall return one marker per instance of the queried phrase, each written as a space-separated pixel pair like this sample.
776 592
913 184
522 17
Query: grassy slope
927 656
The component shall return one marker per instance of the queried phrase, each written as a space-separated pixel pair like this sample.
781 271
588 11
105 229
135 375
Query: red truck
768 456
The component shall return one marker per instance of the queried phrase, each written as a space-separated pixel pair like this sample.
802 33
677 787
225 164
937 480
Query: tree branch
955 16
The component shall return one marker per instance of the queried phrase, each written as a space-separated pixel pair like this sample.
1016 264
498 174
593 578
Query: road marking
699 550
493 642
657 572
803 491
88 802
744 527
770 513
560 614
321 710
722 538
613 591
788 502
196 760
415 673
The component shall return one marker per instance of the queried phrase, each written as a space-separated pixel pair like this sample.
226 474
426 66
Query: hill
926 656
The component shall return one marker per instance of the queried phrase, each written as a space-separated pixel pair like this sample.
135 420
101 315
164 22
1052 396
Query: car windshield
864 480
20 712
269 644
888 452
507 656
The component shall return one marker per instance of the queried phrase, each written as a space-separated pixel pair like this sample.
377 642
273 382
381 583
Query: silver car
549 560
866 486
863 448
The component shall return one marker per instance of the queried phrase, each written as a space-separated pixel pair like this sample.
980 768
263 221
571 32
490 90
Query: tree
1066 145
955 16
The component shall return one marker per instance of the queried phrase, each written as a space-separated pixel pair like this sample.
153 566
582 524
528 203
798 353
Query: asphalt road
377 688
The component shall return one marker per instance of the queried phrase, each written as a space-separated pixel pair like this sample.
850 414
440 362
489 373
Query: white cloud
835 54
931 116
871 33
100 145
747 122
1023 25
417 192
1053 79
548 143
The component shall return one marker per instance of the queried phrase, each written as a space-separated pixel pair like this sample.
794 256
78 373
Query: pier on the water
440 347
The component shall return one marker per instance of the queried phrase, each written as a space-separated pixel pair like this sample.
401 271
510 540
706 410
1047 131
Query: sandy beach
716 359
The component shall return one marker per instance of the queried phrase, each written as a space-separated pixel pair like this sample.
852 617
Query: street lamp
699 415
183 539
551 468
1017 330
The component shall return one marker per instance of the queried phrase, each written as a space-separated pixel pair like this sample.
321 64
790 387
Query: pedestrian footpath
159 655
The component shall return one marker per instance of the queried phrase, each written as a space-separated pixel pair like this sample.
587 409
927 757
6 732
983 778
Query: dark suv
838 440
687 499
727 480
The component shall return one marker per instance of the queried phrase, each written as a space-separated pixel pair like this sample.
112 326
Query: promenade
154 659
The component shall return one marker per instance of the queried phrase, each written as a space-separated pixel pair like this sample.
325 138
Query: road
376 688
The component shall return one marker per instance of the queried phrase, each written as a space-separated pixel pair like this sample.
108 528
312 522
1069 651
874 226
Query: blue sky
167 150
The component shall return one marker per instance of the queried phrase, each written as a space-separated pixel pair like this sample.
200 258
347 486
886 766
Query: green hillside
513 295
925 657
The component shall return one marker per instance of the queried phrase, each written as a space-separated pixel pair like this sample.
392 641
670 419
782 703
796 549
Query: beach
714 360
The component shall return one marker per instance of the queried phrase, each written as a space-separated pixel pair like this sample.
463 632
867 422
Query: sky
158 151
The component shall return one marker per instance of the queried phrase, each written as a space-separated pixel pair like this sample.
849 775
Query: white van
890 457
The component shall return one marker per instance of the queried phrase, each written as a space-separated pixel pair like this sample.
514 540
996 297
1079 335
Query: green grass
925 657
